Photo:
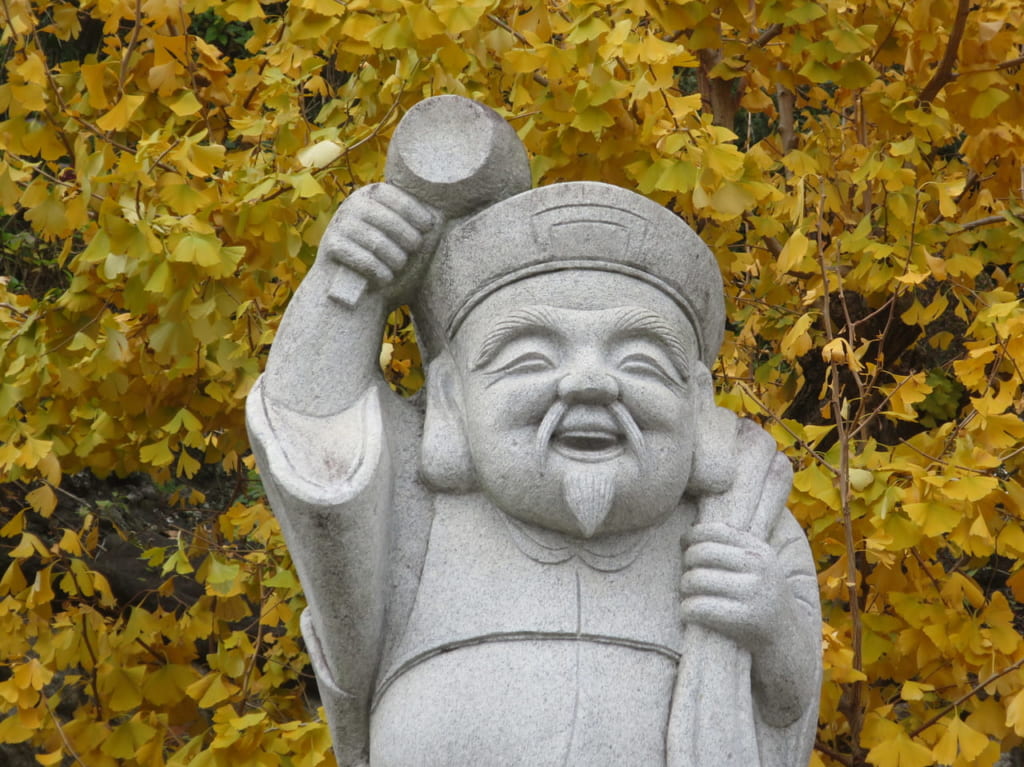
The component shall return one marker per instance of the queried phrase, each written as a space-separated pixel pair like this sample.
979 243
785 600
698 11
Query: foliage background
167 168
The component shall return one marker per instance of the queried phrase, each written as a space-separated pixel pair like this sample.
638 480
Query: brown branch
130 49
77 499
251 665
717 94
63 736
854 715
508 28
13 309
940 462
768 35
889 34
787 105
967 696
831 753
924 567
499 22
796 438
93 683
157 656
190 66
944 73
982 222
278 35
1011 63
33 166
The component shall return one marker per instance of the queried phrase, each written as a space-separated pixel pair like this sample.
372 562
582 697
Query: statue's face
580 397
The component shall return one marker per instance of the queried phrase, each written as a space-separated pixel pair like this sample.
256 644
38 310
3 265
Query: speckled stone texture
562 552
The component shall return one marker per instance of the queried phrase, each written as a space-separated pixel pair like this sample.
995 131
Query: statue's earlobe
445 462
715 447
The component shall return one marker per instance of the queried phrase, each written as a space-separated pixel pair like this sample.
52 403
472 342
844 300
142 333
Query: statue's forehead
585 290
574 322
588 301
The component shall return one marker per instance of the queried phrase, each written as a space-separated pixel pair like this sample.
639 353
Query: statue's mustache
621 414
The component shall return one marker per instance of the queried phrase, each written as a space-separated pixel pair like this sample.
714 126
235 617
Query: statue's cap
565 227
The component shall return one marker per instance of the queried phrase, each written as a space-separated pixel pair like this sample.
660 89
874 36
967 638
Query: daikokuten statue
562 552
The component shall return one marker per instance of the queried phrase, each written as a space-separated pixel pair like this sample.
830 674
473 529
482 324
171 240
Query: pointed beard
589 493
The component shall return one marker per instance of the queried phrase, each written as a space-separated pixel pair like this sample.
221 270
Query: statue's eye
645 365
530 362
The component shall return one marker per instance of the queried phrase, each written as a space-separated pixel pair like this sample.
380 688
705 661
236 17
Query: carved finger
380 245
726 616
720 533
715 583
722 557
408 208
360 260
394 227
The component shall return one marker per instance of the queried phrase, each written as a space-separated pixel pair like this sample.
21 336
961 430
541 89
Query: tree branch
966 696
944 73
497 21
831 753
982 222
768 35
787 104
122 76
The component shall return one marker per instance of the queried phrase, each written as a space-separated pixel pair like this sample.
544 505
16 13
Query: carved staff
712 720
455 155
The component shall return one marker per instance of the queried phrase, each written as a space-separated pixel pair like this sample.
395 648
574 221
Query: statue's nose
588 388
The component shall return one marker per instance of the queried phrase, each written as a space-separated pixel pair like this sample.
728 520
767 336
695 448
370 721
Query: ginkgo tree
167 169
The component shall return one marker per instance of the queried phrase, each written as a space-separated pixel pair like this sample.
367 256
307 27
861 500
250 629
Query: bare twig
1011 63
130 48
13 309
1008 64
940 462
796 438
924 567
967 696
251 665
854 713
72 496
498 21
95 666
987 221
34 168
888 35
831 753
63 736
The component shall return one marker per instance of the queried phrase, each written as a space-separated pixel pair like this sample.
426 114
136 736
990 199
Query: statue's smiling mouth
589 444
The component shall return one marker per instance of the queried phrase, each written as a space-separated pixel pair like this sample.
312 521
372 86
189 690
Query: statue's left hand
734 584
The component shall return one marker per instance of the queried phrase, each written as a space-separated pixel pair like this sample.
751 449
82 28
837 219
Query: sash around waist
518 636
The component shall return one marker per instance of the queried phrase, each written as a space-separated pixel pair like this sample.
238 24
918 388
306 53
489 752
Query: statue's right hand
376 233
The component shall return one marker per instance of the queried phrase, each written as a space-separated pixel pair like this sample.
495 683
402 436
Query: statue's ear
715 447
445 463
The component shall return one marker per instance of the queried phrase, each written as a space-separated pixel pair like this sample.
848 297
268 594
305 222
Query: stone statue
562 553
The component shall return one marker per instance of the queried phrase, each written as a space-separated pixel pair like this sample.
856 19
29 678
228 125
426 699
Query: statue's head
572 328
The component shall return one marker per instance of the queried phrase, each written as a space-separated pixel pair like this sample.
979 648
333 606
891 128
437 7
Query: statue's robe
503 643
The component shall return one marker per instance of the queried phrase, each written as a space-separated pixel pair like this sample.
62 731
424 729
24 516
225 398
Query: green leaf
986 102
200 249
